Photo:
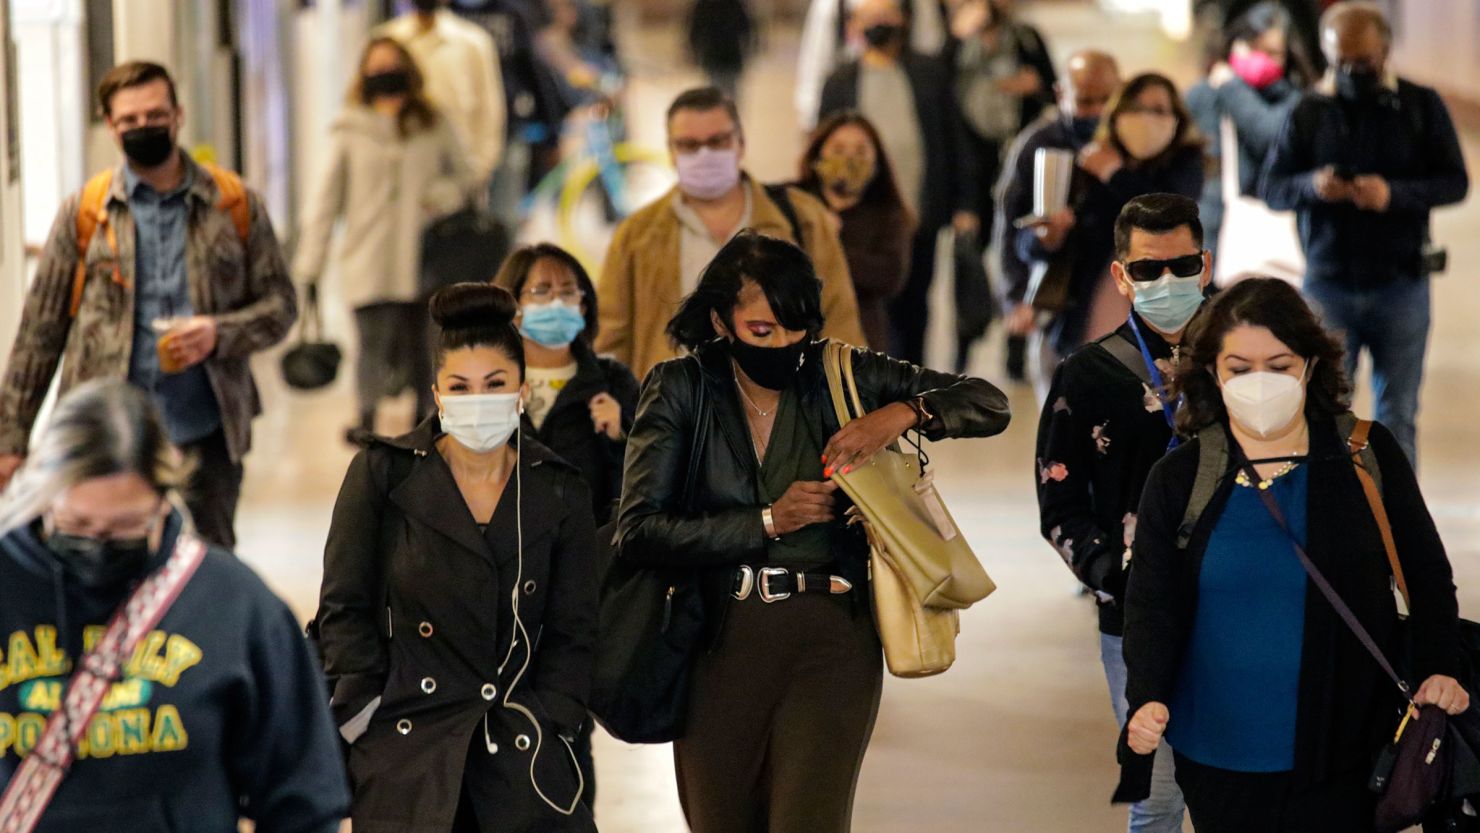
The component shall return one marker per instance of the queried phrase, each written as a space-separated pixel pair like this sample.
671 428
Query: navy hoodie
221 713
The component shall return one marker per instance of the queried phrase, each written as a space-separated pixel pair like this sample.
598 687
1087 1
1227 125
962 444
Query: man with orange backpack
163 271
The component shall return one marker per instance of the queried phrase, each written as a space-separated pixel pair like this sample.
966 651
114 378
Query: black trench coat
417 607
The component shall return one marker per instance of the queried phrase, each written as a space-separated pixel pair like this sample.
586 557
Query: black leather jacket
725 529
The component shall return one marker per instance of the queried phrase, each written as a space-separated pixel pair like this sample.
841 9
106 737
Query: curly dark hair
1258 302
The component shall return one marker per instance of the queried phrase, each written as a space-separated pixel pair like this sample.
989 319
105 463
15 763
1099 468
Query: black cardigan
1346 704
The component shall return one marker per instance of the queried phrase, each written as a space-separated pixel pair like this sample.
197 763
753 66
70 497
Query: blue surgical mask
1168 302
555 324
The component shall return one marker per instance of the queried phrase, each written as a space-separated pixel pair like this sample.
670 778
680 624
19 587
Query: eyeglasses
719 141
153 118
1185 266
544 292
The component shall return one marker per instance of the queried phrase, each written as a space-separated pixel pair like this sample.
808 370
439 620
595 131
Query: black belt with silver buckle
773 584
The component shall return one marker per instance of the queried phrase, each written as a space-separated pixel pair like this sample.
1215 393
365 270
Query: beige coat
387 189
640 286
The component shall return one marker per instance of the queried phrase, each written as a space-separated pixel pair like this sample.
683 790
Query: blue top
1235 701
162 290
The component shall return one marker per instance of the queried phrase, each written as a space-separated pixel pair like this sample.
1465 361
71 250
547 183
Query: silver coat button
489 691
428 685
425 629
403 726
529 587
522 743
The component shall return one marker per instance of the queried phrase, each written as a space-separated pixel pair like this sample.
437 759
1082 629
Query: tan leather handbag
921 568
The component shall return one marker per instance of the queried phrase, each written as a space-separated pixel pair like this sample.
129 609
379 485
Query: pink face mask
708 174
1257 68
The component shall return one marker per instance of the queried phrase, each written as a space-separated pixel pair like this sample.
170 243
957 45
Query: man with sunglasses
658 253
180 283
1108 419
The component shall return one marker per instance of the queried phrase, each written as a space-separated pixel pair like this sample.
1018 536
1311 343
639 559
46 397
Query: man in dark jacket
1362 160
908 97
1107 422
1091 79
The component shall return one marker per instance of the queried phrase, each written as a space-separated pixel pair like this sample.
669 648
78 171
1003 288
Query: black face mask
100 565
773 368
881 35
395 82
148 147
1357 83
1084 129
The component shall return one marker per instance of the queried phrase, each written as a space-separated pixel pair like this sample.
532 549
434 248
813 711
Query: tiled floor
1019 736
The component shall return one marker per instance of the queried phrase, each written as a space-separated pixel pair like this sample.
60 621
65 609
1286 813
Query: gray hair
100 429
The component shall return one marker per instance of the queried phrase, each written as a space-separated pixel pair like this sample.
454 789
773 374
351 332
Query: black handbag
1430 765
466 246
312 363
649 627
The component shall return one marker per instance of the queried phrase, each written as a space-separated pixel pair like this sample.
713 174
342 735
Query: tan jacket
245 288
640 287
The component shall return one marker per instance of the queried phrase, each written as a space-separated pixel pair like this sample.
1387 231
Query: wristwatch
923 415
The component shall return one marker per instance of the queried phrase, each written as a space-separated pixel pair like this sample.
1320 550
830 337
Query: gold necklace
1242 478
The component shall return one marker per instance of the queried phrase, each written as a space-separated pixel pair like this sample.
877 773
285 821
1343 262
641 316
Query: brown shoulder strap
1356 444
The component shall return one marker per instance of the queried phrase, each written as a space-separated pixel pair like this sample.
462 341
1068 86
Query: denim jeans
1162 812
1392 322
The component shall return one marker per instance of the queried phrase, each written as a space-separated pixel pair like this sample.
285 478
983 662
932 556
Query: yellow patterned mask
847 176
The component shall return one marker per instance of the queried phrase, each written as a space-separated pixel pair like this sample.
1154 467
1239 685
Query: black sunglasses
1185 266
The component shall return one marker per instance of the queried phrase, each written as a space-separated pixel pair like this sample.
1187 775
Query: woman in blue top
1273 708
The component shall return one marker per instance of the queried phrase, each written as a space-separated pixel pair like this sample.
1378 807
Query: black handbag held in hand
312 363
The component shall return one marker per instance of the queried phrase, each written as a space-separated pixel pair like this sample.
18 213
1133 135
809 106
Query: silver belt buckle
767 573
747 583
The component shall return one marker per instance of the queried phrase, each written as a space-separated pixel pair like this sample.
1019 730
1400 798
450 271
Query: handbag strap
1342 610
1356 444
701 438
313 319
837 362
36 781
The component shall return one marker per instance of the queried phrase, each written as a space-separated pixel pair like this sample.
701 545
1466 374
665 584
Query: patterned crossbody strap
41 773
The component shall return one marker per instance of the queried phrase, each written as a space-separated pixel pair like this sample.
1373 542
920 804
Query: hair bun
463 306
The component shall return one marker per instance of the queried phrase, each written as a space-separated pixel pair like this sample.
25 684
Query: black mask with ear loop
773 368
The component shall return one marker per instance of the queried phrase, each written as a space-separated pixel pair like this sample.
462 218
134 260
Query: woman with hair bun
458 608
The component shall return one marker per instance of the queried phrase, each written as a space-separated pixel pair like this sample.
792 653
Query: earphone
521 632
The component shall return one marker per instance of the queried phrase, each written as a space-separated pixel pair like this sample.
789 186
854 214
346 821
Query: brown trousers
780 715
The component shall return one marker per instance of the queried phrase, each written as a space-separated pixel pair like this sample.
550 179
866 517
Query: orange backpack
92 211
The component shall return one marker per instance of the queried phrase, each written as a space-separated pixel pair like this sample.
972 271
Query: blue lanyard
1156 379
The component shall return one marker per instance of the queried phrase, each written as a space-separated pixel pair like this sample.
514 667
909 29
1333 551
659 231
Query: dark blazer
1406 136
413 592
1346 703
950 176
725 529
569 432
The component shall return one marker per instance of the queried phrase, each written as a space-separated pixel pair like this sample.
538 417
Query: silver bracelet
769 520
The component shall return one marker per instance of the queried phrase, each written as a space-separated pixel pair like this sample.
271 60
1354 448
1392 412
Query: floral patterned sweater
1101 431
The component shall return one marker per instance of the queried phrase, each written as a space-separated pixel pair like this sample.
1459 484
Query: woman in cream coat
394 166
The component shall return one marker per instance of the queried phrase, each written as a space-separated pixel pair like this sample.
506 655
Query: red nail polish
847 469
827 472
824 459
